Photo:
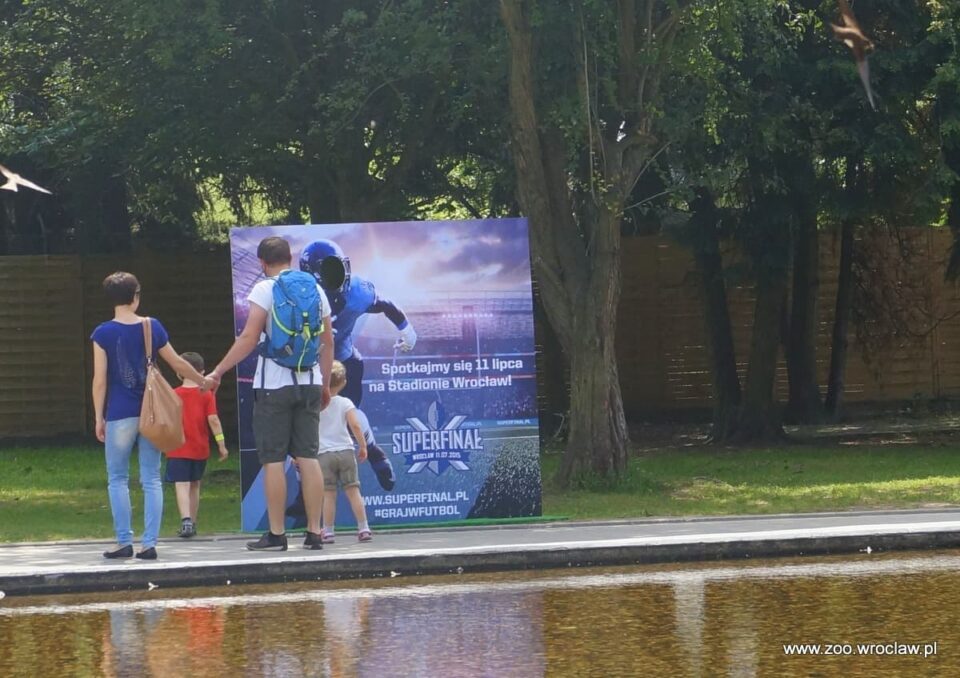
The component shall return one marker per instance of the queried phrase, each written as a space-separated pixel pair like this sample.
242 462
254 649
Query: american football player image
352 297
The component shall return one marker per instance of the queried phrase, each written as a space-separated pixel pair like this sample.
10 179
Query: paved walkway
65 567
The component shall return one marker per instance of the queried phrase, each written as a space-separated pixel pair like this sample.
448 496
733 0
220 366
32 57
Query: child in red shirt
186 464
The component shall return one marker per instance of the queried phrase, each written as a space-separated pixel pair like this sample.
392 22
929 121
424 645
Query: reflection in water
715 620
126 639
689 603
347 623
741 639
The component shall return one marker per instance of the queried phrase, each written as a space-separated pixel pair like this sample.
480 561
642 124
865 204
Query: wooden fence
662 340
49 306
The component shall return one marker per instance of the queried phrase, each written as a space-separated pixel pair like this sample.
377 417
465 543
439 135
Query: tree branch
557 253
583 86
627 48
460 194
642 84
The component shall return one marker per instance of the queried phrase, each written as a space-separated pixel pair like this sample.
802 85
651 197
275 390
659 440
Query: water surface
723 619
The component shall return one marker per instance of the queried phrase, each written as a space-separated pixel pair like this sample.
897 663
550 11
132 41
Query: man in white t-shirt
287 404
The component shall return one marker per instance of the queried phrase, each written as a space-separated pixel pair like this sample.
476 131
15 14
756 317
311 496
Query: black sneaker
269 542
122 552
313 542
187 528
147 554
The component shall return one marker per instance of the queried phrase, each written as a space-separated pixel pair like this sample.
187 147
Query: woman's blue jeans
122 435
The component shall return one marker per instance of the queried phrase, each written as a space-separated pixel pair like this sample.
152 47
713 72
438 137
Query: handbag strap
148 340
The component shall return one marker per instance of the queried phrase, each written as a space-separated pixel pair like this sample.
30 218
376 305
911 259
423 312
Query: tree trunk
801 348
579 285
103 223
8 222
323 204
115 215
841 323
598 438
951 157
713 287
553 384
759 420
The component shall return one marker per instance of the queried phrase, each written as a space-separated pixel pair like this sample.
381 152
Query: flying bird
14 180
861 46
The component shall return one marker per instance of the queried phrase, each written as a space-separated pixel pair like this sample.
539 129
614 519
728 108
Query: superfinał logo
439 446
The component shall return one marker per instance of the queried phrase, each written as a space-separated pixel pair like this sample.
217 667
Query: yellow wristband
218 437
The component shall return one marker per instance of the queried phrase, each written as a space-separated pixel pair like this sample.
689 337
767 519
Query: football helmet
328 264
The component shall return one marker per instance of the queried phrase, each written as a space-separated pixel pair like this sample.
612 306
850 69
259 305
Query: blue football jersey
347 307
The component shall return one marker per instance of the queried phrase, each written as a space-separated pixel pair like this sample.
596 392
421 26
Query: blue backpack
293 338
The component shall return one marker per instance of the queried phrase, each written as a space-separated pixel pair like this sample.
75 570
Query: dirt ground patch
934 432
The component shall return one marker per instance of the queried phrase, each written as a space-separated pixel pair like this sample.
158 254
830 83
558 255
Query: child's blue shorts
184 470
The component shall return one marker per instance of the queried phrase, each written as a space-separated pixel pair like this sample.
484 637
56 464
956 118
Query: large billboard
435 324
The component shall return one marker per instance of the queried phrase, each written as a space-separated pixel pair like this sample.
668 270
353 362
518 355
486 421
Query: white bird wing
13 179
30 184
11 184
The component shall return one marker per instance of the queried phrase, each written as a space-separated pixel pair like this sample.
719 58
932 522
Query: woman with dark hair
119 375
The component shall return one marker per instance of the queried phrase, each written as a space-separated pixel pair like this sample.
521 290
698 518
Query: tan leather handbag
161 413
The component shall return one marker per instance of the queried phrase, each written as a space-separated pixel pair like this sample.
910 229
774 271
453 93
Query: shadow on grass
634 481
706 480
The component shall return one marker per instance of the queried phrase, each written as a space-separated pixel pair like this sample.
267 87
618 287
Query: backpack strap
273 307
148 340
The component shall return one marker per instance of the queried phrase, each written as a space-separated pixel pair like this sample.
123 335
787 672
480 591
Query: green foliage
135 111
331 111
771 114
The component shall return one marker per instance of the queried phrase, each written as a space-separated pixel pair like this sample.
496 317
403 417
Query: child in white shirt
337 458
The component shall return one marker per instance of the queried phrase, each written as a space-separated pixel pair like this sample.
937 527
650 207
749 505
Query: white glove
408 338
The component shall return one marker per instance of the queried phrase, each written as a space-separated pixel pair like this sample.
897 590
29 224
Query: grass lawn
789 479
60 493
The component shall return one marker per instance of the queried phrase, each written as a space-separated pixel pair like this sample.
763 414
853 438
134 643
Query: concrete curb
546 524
344 566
